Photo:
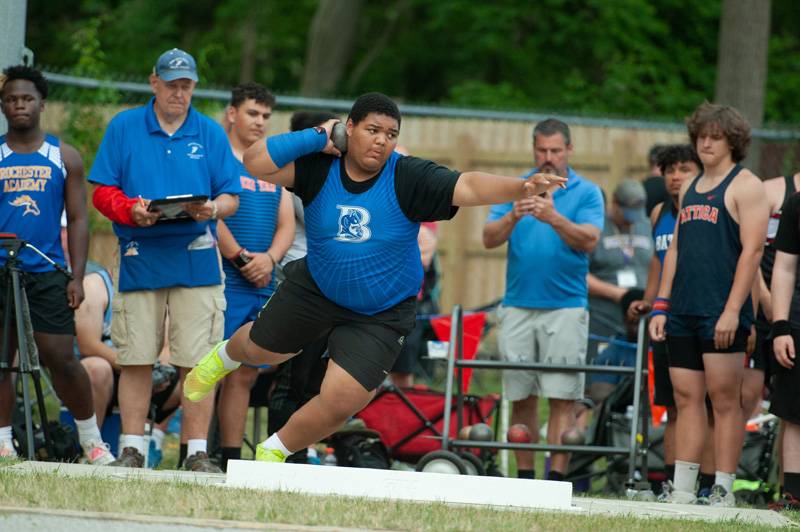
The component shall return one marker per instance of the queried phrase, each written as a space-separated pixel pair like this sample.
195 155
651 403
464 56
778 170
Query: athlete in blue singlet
362 273
678 164
709 271
40 176
252 241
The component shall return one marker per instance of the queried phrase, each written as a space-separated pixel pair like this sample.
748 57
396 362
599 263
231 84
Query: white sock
196 446
725 480
227 362
274 442
685 475
157 437
6 434
133 440
88 430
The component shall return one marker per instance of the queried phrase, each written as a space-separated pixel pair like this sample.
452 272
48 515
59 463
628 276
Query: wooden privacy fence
472 275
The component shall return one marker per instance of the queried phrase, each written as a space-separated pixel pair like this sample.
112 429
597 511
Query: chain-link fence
778 149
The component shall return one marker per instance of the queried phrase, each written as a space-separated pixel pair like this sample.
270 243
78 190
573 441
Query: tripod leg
6 356
24 360
48 441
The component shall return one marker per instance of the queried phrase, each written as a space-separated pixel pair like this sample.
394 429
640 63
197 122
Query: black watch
241 259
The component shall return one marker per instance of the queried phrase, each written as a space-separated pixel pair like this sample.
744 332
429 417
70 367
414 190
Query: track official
167 269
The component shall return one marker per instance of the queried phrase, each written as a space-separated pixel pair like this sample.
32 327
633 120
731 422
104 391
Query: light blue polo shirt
137 156
543 272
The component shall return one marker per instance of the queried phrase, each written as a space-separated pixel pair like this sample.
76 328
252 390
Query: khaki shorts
555 336
196 323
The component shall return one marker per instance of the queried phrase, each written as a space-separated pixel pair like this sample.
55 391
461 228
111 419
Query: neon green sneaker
205 375
269 455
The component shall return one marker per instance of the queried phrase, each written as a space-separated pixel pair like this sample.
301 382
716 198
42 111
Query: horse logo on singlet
28 202
353 223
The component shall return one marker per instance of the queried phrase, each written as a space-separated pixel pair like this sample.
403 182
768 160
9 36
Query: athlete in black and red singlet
709 271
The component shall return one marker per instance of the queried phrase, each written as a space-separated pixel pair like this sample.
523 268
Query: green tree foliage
643 58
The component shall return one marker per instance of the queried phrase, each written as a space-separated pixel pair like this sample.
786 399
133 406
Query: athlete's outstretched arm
481 188
273 159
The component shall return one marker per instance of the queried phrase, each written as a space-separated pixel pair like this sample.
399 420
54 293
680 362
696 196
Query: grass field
138 497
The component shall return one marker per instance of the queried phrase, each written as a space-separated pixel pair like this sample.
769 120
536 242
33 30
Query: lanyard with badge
626 276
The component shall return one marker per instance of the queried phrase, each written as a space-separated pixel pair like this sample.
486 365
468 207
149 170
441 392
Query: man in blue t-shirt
359 281
543 317
253 241
168 261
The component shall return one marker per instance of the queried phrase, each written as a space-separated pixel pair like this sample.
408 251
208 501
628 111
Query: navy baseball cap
176 64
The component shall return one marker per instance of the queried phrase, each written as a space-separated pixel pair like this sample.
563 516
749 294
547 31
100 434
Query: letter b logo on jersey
353 222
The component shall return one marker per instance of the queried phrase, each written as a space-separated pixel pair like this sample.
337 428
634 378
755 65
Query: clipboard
171 207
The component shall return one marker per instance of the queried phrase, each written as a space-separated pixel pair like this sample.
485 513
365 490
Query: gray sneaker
666 489
671 495
200 463
721 497
129 457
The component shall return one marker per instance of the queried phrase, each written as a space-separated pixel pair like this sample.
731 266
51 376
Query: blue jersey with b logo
362 249
32 201
253 226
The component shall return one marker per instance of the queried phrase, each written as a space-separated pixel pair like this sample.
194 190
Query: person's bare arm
753 214
260 268
580 237
637 308
764 296
603 289
481 188
89 321
784 273
77 222
228 245
642 306
657 325
284 232
220 207
427 241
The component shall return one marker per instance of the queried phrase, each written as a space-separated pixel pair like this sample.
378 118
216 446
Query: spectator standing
41 177
654 184
785 399
166 269
678 163
618 265
543 317
253 241
704 298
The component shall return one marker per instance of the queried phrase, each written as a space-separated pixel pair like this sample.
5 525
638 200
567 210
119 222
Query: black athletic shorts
785 394
47 301
366 347
663 395
689 337
760 359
